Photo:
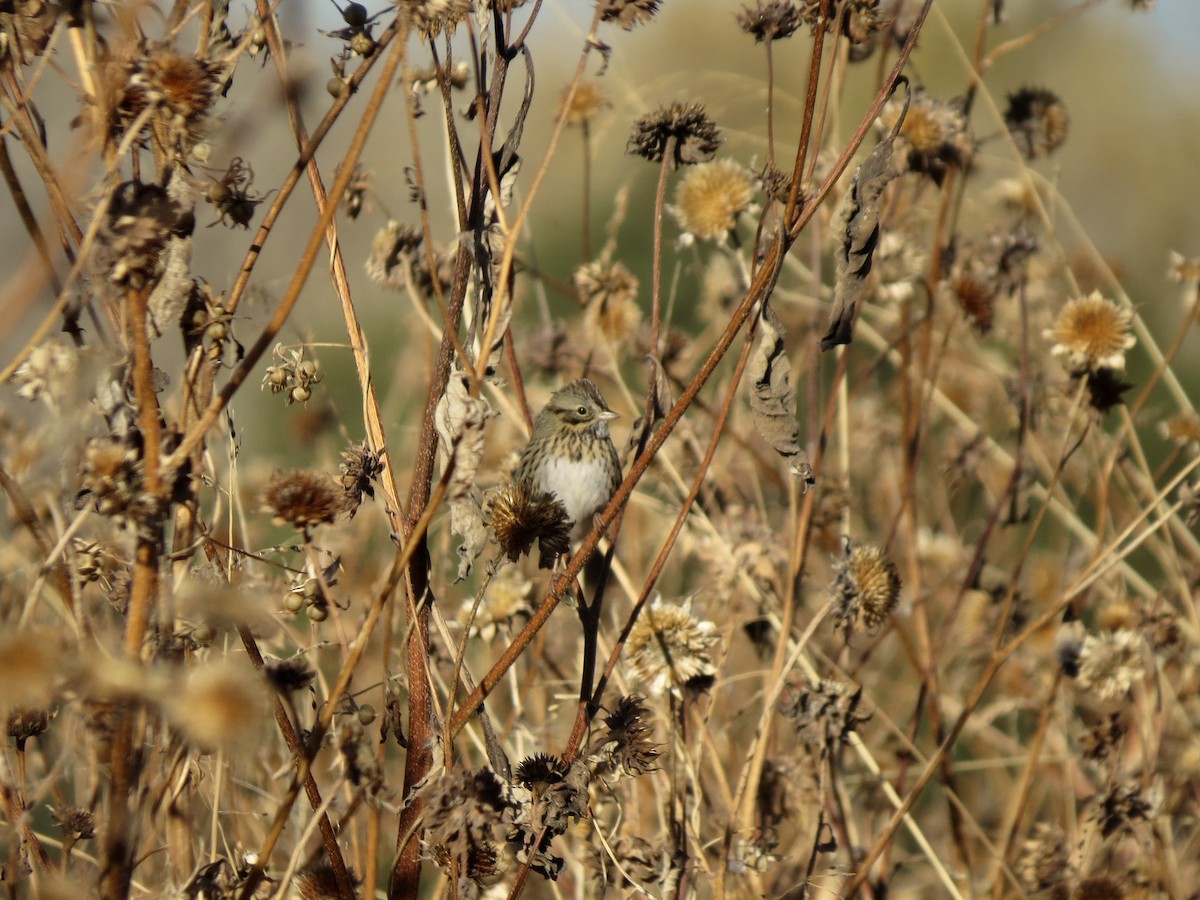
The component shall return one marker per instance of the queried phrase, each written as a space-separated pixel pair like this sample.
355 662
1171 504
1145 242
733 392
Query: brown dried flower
432 17
289 675
140 220
1092 333
26 722
682 130
1183 269
359 467
772 20
393 252
933 138
625 745
317 881
1044 862
304 499
710 197
1182 430
1110 663
608 290
671 650
181 88
1037 120
867 587
628 13
518 517
76 822
585 104
824 713
466 817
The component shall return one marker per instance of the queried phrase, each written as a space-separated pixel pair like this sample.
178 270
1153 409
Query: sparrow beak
609 414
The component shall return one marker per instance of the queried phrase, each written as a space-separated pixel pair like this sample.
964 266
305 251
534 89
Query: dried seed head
773 20
304 499
432 17
1037 120
465 817
25 722
710 197
1044 862
318 881
824 712
219 704
539 772
360 466
625 745
1183 269
976 298
393 251
670 650
1183 430
140 219
78 823
933 137
627 13
867 588
46 373
289 675
609 292
682 130
182 88
518 516
585 104
1092 333
1110 663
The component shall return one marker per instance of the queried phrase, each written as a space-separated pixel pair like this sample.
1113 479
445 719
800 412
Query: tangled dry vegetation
897 596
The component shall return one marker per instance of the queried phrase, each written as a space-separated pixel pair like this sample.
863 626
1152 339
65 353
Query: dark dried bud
518 516
682 130
628 13
770 20
1037 120
304 499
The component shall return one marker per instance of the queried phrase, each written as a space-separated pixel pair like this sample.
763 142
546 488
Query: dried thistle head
628 13
76 822
1110 663
1183 269
933 137
466 817
608 292
318 881
671 650
181 89
584 105
866 587
710 197
773 20
518 516
141 218
286 676
625 747
218 705
824 712
433 17
393 250
360 466
682 132
304 499
25 722
1037 121
47 372
1092 333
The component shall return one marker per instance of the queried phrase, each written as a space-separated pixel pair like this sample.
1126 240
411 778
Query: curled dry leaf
857 225
773 399
460 420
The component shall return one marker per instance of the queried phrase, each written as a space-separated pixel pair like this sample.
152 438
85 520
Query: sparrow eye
582 410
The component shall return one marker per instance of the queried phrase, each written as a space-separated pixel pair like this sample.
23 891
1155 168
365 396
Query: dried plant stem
328 836
371 415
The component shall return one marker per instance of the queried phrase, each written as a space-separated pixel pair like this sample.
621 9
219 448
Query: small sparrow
571 454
